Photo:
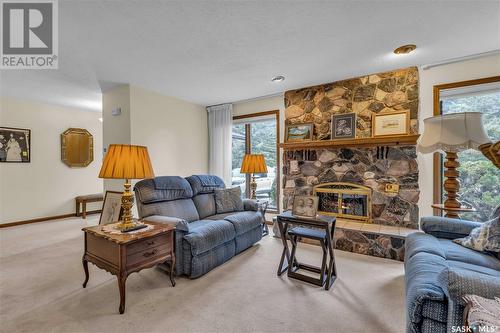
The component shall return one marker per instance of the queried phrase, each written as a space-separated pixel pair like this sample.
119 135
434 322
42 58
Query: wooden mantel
350 143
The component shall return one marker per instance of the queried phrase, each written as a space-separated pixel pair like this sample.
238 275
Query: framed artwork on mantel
391 123
344 126
299 132
15 145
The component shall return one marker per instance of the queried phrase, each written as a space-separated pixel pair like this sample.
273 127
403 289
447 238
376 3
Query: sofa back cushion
182 208
203 187
205 205
204 184
166 196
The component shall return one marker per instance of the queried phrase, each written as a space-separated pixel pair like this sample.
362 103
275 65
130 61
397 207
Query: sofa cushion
457 252
483 238
472 268
228 200
203 184
183 209
164 188
207 234
421 275
205 204
244 221
419 242
444 227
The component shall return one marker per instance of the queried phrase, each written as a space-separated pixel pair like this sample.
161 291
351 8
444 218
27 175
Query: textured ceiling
211 52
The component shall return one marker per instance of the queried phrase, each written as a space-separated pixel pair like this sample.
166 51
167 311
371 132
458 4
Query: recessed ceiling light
405 49
279 78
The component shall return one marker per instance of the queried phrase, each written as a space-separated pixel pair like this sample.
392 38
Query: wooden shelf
364 142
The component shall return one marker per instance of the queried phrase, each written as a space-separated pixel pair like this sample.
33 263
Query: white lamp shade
453 133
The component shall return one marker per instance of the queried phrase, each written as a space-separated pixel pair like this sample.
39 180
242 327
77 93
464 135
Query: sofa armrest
456 283
180 224
443 227
250 204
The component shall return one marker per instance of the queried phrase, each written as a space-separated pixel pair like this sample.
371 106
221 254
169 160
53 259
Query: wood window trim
437 158
276 114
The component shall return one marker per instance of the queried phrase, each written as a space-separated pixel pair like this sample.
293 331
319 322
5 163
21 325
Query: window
257 134
479 178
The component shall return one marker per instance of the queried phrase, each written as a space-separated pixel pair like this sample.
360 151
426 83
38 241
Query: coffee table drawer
149 243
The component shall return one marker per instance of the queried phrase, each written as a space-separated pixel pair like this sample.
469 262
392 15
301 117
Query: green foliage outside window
479 178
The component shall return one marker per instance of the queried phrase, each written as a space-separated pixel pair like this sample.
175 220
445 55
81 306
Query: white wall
461 71
46 186
116 129
175 132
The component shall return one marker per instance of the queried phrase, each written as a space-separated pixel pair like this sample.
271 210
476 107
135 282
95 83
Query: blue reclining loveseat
204 239
439 272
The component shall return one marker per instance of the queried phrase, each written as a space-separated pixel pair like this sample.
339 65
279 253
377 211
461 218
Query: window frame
248 148
438 158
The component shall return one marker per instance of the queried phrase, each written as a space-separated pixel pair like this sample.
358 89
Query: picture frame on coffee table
112 210
305 205
343 126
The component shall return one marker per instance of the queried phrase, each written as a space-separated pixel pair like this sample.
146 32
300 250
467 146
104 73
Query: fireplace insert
345 200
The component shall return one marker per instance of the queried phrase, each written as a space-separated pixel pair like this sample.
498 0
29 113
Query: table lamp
450 134
126 162
253 163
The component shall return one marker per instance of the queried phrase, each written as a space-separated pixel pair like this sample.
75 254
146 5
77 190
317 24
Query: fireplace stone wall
303 169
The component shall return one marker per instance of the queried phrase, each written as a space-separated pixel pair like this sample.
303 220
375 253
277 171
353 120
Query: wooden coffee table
122 254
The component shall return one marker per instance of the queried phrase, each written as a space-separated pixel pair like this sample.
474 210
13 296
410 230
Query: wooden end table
123 254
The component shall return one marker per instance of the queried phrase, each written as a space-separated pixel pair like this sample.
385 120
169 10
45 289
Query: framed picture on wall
344 126
391 123
15 145
299 132
111 208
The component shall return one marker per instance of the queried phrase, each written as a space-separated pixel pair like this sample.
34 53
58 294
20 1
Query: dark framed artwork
15 145
112 210
344 126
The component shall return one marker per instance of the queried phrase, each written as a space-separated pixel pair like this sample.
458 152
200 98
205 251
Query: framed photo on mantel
391 123
344 126
15 145
299 132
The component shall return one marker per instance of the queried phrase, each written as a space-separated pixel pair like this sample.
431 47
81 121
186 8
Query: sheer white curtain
220 127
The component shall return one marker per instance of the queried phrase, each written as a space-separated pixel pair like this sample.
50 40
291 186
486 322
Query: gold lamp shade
253 163
127 162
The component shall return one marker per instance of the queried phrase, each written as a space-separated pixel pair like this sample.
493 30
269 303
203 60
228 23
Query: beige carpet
41 277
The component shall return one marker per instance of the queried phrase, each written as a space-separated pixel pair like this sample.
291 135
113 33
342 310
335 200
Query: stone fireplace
344 200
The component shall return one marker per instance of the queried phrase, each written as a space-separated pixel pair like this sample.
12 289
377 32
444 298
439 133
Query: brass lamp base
127 222
253 188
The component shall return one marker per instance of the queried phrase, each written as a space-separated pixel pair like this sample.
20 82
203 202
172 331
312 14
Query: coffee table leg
121 286
285 256
172 269
86 269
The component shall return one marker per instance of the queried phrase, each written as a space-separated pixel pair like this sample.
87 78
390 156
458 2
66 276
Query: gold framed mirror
77 147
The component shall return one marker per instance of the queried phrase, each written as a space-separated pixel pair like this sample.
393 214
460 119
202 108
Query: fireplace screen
345 200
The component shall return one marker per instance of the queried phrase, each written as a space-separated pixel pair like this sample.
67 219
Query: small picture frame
344 126
305 205
391 123
299 132
112 210
15 145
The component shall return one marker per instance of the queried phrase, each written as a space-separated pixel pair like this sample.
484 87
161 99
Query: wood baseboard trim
43 219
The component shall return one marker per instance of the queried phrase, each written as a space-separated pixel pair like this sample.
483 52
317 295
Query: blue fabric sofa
204 239
438 273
